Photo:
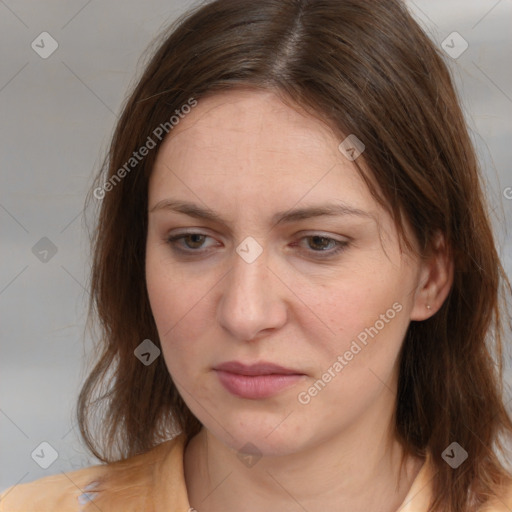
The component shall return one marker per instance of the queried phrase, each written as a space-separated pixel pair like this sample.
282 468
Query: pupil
195 240
317 238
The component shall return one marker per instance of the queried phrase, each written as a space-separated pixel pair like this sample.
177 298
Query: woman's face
266 280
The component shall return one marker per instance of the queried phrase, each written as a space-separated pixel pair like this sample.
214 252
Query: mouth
256 381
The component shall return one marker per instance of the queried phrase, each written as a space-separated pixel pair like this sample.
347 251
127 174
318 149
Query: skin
247 155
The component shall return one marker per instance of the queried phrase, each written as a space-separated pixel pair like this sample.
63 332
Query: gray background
56 118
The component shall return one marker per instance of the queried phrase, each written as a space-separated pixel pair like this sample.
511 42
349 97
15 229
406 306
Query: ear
435 279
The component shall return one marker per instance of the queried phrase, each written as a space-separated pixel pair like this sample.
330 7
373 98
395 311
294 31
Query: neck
353 471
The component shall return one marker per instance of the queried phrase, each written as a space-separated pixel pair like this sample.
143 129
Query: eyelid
324 234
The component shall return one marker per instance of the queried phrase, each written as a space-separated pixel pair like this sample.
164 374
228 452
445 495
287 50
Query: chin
262 434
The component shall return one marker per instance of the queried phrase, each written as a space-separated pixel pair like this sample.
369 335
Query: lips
256 381
256 369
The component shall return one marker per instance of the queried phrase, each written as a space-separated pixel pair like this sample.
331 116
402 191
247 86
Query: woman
295 276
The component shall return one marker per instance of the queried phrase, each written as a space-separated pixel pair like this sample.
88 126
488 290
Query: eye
323 246
319 246
193 242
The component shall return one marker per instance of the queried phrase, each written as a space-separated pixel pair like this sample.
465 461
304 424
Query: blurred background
65 70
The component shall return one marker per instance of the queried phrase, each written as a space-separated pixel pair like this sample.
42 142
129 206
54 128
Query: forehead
247 147
256 122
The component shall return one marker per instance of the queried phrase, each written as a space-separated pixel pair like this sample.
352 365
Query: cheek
356 303
358 363
367 313
171 294
181 309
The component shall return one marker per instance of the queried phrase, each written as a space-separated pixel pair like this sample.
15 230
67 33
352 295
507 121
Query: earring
429 306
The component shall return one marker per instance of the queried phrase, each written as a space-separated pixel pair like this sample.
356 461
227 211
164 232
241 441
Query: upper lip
262 368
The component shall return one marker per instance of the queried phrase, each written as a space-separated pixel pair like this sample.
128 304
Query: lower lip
256 386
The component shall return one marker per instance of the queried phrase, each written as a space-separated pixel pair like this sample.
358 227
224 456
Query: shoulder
128 479
63 491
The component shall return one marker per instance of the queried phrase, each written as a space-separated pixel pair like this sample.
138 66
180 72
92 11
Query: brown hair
367 68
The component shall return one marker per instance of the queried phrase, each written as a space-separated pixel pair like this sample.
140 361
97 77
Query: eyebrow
282 217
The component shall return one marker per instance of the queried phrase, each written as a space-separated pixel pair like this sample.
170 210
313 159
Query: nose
252 299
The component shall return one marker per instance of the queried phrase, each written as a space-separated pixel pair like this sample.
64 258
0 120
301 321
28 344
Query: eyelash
322 254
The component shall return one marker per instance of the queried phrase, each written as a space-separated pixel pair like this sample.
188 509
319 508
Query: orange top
153 482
